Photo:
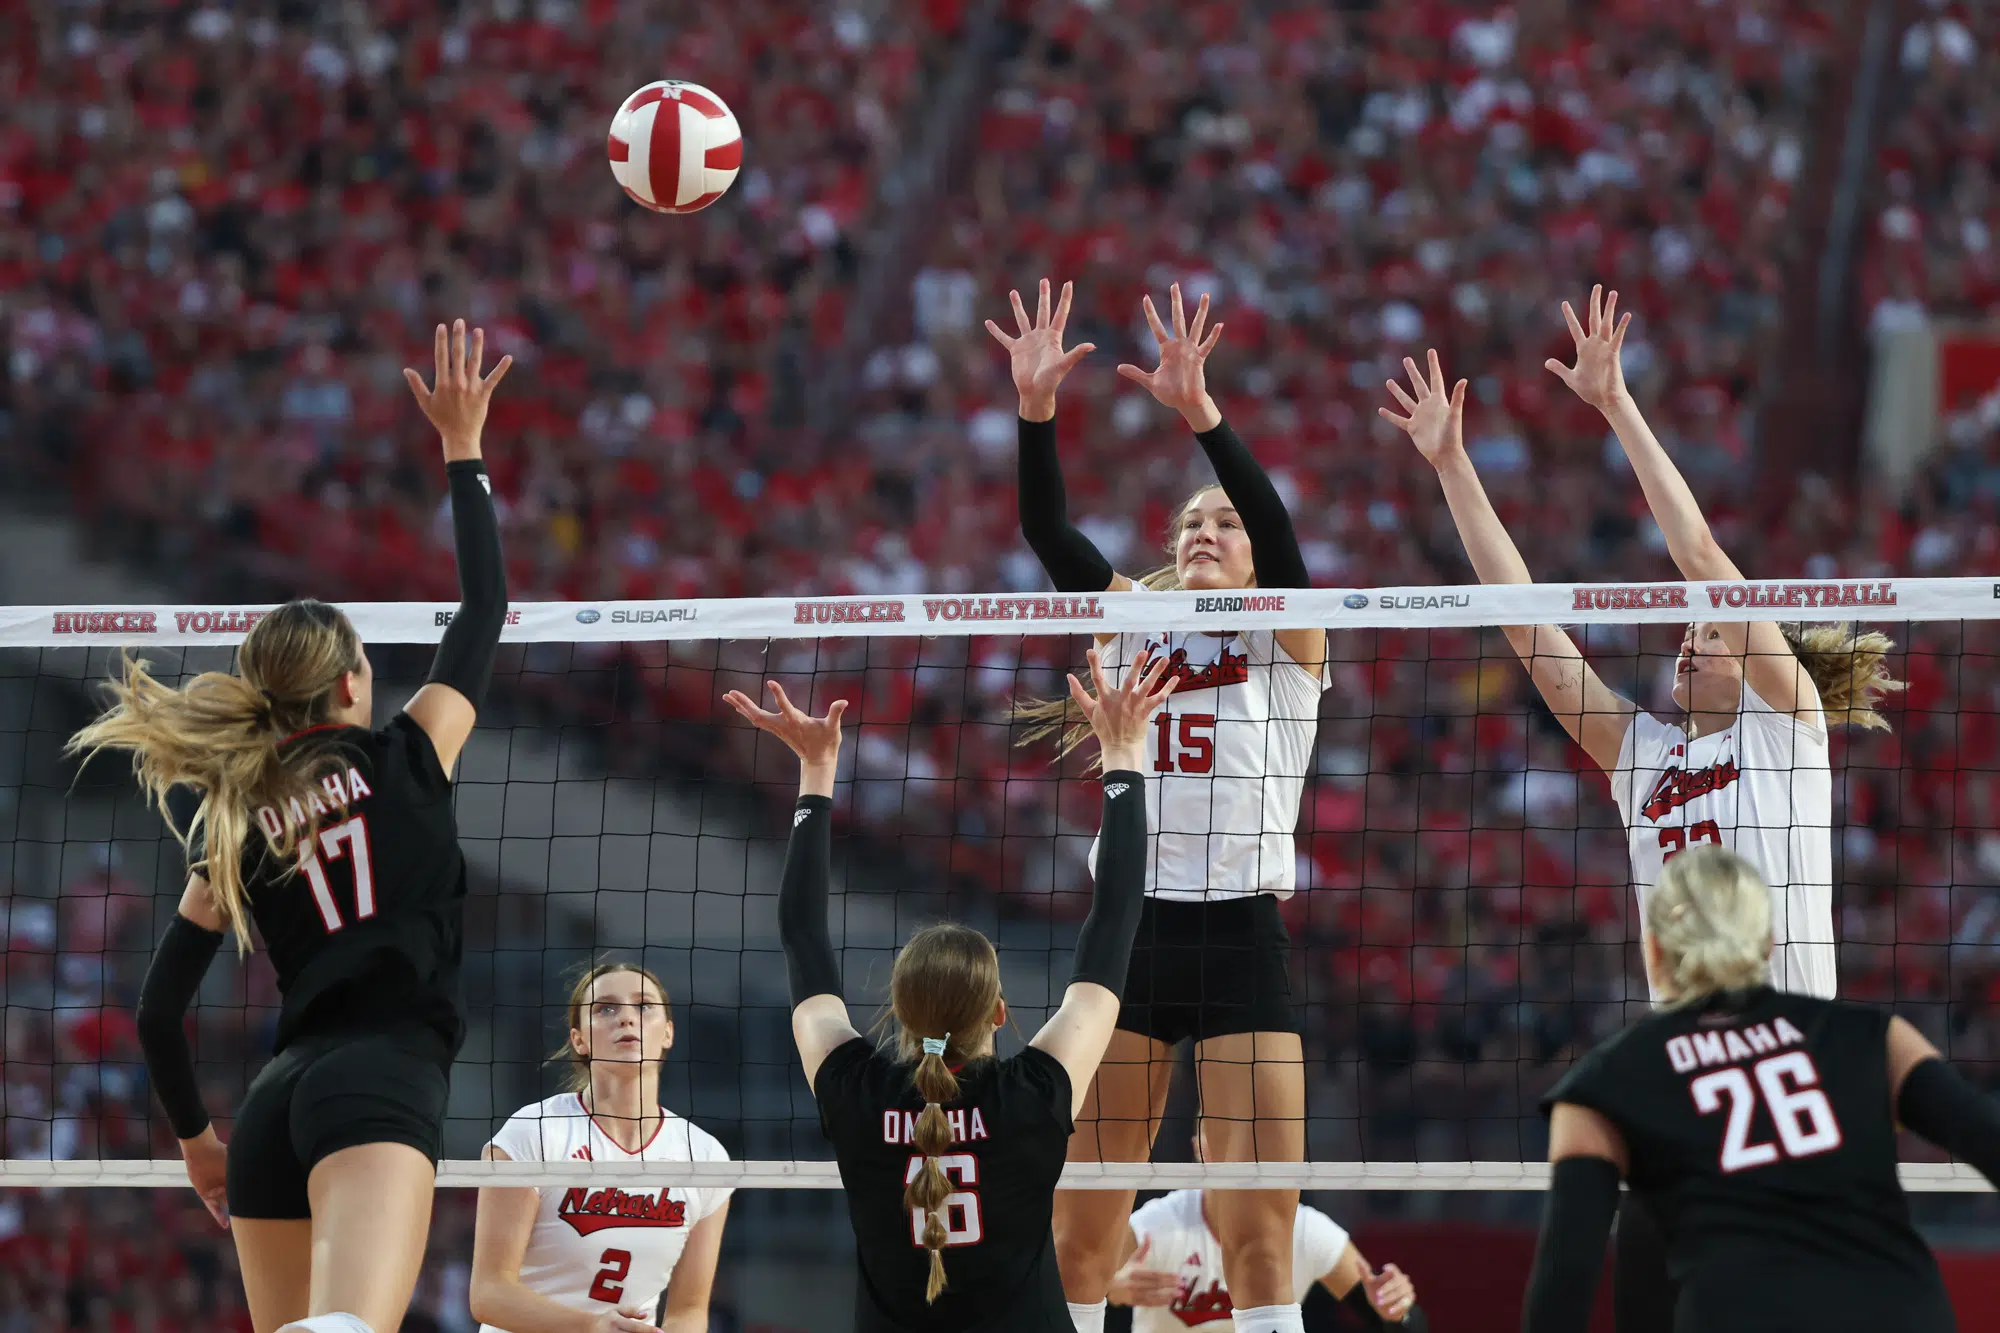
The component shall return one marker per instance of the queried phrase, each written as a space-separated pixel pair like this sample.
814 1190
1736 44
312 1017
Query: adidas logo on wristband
1116 789
800 816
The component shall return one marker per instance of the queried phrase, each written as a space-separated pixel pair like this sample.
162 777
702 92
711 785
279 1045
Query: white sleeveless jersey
1226 763
598 1246
1183 1245
1761 788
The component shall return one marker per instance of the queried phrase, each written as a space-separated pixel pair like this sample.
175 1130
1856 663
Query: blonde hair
224 735
1850 671
1060 717
577 1078
944 987
1711 915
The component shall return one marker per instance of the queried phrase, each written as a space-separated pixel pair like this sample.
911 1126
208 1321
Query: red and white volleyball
675 147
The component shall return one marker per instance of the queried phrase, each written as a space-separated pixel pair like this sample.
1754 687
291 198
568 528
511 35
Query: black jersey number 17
348 841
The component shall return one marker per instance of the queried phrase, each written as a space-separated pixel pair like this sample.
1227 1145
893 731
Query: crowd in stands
223 232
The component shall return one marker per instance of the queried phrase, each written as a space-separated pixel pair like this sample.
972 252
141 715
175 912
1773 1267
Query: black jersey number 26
346 841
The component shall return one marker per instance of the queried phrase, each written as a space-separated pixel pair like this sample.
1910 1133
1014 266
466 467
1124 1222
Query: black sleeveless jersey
1760 1133
366 932
1010 1136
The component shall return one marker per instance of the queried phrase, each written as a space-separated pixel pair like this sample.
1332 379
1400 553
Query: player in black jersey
942 1146
339 844
1759 1128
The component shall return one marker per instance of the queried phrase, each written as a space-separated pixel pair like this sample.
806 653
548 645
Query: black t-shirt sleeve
1592 1082
407 748
1044 1085
842 1084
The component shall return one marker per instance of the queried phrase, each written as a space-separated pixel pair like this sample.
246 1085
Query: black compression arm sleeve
175 975
1104 945
809 962
1072 561
464 658
1942 1105
1368 1317
1569 1257
1274 547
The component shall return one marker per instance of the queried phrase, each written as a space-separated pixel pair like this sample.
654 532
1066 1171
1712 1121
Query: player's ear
669 1045
1000 1013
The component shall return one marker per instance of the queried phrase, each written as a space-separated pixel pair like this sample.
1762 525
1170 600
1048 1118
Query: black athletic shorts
322 1094
1209 970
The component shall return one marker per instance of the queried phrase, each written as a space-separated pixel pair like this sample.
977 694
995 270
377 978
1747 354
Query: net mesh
1465 926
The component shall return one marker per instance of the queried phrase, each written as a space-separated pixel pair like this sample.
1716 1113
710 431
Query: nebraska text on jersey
1227 669
588 1210
1677 786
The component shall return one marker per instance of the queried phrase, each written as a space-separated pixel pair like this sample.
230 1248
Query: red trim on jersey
607 1133
324 726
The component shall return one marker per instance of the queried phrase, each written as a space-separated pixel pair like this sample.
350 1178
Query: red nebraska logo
1678 786
1195 1310
1228 669
588 1210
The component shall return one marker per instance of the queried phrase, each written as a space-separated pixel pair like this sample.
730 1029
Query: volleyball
675 147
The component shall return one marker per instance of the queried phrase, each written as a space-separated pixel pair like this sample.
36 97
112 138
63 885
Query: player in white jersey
594 1258
1227 760
1171 1268
1745 765
1172 1274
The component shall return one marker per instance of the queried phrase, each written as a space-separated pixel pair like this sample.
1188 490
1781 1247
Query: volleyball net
1464 926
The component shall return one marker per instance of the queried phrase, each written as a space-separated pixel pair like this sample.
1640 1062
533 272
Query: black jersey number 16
346 840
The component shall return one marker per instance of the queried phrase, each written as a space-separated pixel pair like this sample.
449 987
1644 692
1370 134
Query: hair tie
936 1045
269 697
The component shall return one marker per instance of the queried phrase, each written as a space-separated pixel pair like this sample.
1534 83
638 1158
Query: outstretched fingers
1021 320
1042 305
1417 384
1160 334
1061 321
1576 333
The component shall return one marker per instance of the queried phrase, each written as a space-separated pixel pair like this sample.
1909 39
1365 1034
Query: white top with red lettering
596 1246
1761 788
1183 1245
1227 757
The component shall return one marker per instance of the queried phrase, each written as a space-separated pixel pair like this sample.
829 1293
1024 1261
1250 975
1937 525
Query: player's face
624 1022
1708 674
1210 548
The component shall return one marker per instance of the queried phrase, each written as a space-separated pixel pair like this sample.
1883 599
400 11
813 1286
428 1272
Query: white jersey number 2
962 1225
1801 1113
354 833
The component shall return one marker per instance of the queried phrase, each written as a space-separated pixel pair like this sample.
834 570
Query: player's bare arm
1595 716
1598 378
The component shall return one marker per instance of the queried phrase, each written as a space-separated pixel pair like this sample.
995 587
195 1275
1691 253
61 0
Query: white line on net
1895 599
1921 1177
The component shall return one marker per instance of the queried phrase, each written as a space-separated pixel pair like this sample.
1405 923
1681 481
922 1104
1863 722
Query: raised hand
1597 377
1035 355
1118 716
815 740
1436 420
1391 1292
457 402
1179 381
1135 1284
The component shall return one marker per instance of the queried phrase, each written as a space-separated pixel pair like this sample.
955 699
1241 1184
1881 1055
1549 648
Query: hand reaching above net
1180 380
1436 420
1035 355
1598 377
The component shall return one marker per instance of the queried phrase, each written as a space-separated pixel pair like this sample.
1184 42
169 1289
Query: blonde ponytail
1850 671
223 735
936 1084
1710 913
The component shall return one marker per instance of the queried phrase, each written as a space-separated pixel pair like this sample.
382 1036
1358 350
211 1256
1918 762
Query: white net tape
1890 600
1037 613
